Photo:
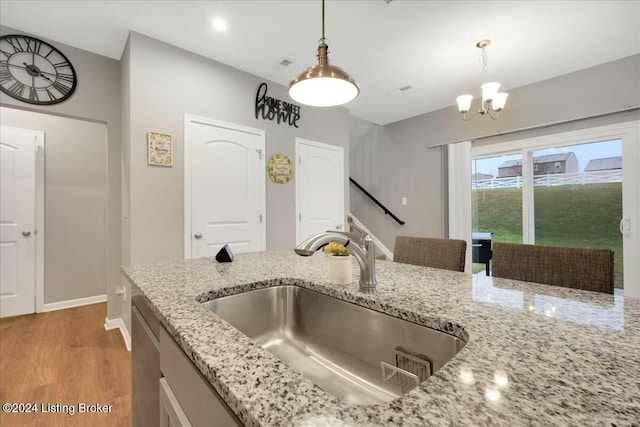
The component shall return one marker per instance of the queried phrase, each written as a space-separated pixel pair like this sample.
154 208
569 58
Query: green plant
335 248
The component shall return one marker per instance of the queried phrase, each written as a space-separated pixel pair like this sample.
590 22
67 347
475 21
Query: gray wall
390 167
160 84
393 160
603 89
96 98
75 223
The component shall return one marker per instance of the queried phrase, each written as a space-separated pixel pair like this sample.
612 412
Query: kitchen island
534 354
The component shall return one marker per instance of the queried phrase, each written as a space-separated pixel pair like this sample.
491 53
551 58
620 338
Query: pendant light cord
323 21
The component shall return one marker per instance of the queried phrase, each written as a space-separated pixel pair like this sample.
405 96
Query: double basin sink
356 354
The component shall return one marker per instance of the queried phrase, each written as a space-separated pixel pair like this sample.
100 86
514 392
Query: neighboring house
604 164
480 176
542 165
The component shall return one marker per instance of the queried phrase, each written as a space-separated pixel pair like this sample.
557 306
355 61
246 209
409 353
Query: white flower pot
340 269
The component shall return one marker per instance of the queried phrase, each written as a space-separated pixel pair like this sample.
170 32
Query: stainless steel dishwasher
145 365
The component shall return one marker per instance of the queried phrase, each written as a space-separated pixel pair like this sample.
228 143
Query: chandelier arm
466 119
491 115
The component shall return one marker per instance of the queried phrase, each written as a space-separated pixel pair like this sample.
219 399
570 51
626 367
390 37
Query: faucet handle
357 232
343 233
356 237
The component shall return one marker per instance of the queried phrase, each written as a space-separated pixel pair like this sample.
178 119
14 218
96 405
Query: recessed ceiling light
219 24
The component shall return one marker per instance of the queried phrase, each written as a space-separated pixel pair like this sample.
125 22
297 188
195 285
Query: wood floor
60 360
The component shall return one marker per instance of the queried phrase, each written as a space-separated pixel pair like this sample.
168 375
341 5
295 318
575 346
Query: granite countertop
535 354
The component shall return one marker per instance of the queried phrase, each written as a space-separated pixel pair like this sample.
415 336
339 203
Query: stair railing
384 208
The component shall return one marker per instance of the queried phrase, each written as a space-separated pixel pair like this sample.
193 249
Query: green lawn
568 215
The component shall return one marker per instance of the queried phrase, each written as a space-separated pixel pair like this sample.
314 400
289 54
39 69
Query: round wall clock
35 72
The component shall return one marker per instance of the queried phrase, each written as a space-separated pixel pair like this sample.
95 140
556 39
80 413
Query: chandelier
323 85
492 100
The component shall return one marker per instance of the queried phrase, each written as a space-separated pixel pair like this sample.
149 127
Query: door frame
38 234
194 119
324 146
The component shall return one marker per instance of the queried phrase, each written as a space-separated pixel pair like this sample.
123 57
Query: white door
17 221
227 187
319 188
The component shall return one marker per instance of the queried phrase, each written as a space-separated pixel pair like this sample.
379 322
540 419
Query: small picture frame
159 149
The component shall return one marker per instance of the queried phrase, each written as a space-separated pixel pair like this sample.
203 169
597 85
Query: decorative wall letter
275 109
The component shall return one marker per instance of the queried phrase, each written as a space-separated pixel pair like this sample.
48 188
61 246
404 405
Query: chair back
448 254
578 268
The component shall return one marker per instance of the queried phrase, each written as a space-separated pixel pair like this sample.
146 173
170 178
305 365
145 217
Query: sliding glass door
577 198
562 190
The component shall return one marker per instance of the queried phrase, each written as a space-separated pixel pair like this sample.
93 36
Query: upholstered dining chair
578 268
448 254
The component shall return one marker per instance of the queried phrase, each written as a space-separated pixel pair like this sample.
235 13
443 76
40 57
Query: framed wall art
159 149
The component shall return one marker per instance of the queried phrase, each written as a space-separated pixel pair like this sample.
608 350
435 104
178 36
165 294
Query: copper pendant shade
323 85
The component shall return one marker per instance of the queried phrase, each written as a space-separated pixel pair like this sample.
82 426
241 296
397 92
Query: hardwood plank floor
60 360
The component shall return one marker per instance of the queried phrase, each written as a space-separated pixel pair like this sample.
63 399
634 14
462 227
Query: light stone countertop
570 358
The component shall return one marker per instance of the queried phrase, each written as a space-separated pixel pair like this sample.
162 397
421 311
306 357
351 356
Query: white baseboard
61 305
118 323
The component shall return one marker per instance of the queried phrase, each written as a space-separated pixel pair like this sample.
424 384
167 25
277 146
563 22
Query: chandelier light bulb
464 103
489 90
499 100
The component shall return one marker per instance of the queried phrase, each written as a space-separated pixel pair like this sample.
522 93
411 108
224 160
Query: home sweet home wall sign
275 109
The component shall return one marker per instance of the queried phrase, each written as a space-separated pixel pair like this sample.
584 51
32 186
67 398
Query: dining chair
578 268
447 254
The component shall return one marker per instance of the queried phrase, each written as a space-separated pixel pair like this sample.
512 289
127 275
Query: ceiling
429 45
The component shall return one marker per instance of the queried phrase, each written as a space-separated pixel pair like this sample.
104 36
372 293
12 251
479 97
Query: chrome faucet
364 252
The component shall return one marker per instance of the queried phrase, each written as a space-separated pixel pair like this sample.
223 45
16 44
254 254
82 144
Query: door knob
26 233
198 235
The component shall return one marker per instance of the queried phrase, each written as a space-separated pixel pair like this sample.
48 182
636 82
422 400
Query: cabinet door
145 372
171 413
200 403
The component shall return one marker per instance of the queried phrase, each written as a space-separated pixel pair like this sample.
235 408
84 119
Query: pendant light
323 85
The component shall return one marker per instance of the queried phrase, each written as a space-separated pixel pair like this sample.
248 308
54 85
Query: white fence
579 178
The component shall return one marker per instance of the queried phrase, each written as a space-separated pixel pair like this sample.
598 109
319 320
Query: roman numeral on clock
49 94
16 88
62 88
15 44
34 46
5 74
67 78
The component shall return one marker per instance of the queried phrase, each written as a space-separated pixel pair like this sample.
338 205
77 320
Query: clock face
35 72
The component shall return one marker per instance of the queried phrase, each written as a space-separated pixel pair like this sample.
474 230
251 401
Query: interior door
227 170
17 221
319 188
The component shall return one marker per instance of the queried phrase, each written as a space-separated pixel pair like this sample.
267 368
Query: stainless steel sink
338 345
